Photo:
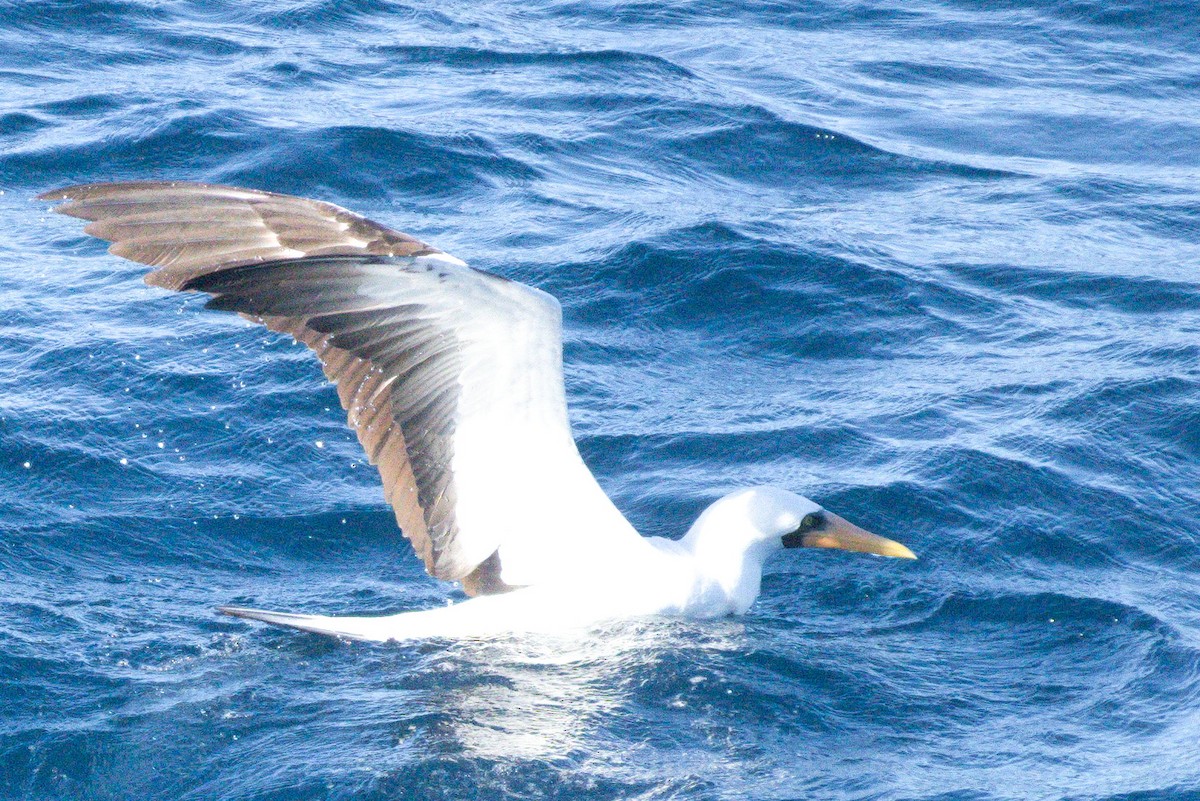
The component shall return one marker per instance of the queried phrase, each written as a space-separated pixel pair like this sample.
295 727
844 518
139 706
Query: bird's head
767 519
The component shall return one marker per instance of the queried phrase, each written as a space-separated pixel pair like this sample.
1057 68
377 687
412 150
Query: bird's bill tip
843 535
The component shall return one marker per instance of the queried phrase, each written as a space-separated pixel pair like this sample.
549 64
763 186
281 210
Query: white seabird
452 379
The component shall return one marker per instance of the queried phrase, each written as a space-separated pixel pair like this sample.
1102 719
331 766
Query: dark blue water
934 264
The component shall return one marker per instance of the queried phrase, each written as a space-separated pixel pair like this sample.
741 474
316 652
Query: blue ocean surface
933 264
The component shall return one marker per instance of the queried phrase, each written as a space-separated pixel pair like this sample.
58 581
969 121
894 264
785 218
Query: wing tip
93 190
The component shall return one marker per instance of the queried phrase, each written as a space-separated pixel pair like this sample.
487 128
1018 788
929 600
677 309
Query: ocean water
933 264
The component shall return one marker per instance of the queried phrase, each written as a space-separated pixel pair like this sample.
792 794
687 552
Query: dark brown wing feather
293 264
188 229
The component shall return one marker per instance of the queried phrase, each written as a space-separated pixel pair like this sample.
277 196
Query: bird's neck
728 574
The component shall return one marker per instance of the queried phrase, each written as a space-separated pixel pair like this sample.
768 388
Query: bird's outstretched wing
451 377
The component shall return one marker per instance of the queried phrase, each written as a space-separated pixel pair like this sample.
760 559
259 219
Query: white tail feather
526 610
351 628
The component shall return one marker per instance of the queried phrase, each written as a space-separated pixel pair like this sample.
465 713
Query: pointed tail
351 628
531 609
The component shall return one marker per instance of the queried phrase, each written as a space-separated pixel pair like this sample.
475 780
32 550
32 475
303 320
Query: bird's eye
811 521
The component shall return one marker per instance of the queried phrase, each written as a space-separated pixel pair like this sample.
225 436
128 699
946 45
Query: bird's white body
713 571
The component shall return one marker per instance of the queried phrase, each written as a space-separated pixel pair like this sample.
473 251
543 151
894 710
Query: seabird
452 379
